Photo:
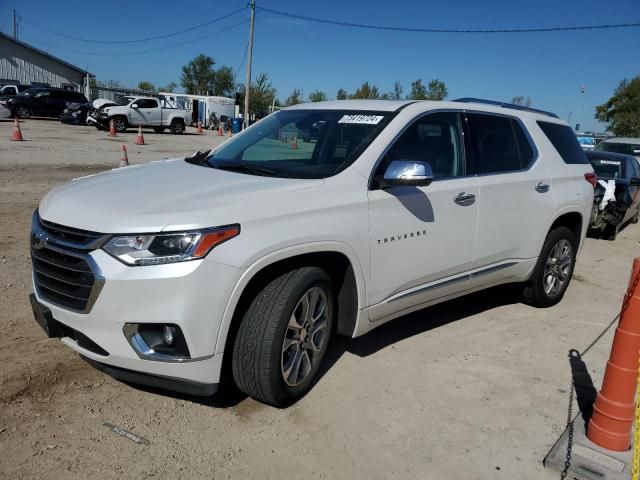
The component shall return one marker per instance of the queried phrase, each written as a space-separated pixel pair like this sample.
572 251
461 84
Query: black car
616 199
75 113
45 102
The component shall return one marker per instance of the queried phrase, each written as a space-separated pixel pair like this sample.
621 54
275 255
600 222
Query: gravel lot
476 388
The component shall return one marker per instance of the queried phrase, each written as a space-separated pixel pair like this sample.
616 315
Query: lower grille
63 278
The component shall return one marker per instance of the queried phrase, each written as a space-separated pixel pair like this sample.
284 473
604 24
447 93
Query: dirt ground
476 388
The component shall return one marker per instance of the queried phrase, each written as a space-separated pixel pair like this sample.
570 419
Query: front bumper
192 295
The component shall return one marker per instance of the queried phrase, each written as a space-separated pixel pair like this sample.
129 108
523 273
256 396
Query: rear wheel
120 124
23 112
284 336
610 232
177 127
554 269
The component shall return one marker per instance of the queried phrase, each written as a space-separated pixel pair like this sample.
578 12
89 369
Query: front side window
42 95
146 103
434 139
497 144
301 143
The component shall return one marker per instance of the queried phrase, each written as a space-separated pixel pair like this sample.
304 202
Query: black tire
534 292
177 127
22 112
120 124
636 217
158 129
610 232
259 353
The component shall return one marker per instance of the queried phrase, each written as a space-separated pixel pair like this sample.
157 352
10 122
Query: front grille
67 233
63 279
63 271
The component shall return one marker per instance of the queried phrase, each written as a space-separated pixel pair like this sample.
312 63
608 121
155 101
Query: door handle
542 187
465 199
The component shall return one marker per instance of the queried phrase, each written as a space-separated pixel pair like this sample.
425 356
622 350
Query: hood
169 194
103 102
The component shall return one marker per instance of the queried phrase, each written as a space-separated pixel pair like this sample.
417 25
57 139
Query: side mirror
634 182
406 173
135 105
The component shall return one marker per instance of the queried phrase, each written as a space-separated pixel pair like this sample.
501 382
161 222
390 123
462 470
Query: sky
550 68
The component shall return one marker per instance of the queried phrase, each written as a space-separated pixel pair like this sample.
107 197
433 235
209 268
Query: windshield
302 143
123 101
607 169
626 148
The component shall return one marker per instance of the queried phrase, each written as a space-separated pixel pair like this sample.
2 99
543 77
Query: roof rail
504 105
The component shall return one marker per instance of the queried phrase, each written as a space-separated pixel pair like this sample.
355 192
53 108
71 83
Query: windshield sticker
362 119
609 162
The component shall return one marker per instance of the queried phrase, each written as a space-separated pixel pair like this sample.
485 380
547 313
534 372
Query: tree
169 88
437 90
342 94
622 110
397 91
317 96
366 91
223 82
294 99
524 101
261 94
145 85
418 91
198 75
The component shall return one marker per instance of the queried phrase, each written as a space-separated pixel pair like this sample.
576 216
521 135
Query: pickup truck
146 111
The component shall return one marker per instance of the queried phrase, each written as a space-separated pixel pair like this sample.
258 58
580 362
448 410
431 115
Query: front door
422 238
146 113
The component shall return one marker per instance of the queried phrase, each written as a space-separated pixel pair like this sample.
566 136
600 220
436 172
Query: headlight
157 249
76 113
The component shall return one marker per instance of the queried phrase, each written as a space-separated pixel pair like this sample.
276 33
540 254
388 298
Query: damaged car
616 199
75 113
99 104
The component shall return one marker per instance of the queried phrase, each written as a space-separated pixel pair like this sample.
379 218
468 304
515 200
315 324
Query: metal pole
580 107
247 86
15 25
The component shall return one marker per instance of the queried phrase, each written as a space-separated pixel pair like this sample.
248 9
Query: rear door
57 102
516 200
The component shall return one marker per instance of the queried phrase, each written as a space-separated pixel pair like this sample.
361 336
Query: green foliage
146 85
436 90
169 88
317 96
198 75
524 101
366 91
261 95
622 110
342 94
397 91
294 98
224 82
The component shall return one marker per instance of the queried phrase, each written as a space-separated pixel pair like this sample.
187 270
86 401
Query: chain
567 461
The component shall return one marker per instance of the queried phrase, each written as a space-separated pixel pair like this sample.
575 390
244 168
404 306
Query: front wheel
284 336
23 112
120 124
554 269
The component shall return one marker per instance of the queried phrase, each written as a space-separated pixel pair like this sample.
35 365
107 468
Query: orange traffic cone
16 135
219 131
112 129
294 142
199 129
140 137
124 159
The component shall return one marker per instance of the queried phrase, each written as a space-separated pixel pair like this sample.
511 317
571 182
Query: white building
23 63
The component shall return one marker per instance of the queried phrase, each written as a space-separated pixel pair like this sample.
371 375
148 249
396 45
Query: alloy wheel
557 270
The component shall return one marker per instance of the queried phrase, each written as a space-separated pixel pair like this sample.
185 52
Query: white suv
255 255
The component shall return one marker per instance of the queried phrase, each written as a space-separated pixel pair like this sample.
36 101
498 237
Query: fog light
168 334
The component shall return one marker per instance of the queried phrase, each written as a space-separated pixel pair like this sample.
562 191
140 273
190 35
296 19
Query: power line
450 30
244 58
218 32
148 39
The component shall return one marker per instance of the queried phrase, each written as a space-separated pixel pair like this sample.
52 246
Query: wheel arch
573 220
336 258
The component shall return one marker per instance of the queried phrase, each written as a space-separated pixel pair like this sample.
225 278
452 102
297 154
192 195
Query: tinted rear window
565 142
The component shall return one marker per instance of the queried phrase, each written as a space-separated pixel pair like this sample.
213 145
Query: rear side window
565 142
147 103
497 144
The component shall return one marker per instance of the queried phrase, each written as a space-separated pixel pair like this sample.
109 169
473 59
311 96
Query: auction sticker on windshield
364 119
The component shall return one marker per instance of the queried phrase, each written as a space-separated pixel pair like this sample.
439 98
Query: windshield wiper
252 169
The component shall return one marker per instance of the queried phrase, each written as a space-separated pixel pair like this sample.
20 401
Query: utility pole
582 89
15 25
247 86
